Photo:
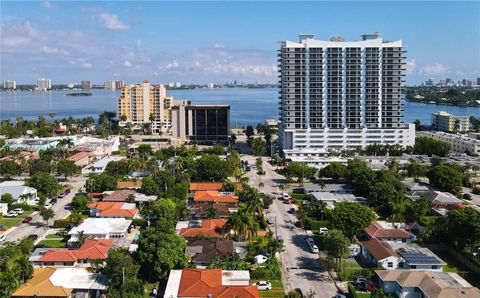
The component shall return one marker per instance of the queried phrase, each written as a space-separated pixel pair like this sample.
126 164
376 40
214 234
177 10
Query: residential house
200 210
208 283
22 155
415 257
380 254
90 250
129 184
100 228
19 192
204 251
98 147
99 166
214 228
441 199
331 199
420 284
213 196
123 194
336 188
62 282
3 208
386 232
81 158
113 210
199 186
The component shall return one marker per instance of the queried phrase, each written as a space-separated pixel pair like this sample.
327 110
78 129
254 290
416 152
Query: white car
48 205
263 285
11 213
18 210
323 231
3 237
314 248
339 296
285 196
260 259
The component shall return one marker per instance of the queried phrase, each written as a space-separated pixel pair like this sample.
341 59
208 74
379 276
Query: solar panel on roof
418 257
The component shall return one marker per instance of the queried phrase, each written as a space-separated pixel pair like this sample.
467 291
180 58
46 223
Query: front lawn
54 243
148 289
276 291
13 221
56 235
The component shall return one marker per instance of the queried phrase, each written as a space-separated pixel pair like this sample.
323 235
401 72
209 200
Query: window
413 266
390 264
434 267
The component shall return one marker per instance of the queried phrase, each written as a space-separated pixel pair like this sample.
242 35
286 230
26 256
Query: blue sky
202 42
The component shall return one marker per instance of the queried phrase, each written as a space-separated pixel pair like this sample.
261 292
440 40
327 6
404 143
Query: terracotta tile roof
375 230
41 286
210 249
119 195
78 156
210 186
209 228
213 196
379 250
109 209
129 184
205 282
91 249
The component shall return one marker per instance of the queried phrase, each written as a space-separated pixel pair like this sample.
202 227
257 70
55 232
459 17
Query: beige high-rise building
145 103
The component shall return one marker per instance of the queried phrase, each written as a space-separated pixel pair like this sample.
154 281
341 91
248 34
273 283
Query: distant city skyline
202 42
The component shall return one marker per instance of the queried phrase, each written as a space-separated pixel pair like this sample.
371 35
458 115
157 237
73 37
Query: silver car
263 285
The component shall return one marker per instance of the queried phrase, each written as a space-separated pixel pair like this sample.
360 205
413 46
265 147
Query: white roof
78 278
102 163
315 43
231 277
102 226
16 190
173 284
332 198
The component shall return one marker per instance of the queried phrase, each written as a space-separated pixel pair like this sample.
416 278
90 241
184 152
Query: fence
464 260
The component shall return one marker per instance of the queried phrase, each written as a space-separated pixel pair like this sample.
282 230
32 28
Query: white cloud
48 50
173 64
411 66
87 65
434 69
46 4
111 21
127 63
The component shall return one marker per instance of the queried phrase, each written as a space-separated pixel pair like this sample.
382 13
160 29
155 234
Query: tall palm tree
242 225
65 143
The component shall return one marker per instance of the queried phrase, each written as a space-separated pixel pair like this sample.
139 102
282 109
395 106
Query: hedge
139 222
61 223
316 224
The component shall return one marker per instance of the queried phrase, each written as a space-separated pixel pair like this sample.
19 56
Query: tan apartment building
145 103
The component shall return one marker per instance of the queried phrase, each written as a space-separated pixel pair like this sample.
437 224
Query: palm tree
242 225
211 212
253 203
82 237
65 143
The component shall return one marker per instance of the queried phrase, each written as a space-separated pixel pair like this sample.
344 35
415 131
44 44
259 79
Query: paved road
301 267
36 226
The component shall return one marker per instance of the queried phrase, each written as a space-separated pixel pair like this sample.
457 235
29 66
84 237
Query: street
36 226
300 267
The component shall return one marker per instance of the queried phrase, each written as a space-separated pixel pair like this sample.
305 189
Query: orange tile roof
129 184
41 286
213 196
375 230
206 282
210 228
91 249
113 209
210 186
78 156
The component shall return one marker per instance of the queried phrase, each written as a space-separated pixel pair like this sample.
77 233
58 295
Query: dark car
299 292
292 210
467 196
3 228
32 237
27 219
298 224
53 201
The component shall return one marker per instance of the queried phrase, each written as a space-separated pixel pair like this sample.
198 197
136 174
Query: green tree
46 185
336 245
15 268
122 273
9 168
145 151
299 170
163 212
351 217
446 178
335 170
7 198
47 214
211 212
383 197
249 132
80 202
429 146
39 165
67 168
259 146
149 186
416 170
100 183
159 251
242 224
211 167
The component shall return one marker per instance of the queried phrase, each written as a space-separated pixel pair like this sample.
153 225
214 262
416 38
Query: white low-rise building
333 198
99 166
459 143
101 228
19 192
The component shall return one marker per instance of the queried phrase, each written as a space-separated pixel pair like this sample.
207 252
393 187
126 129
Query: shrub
270 271
351 274
139 222
314 224
61 223
351 291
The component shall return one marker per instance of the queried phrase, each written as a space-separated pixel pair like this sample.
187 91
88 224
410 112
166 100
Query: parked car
305 202
3 228
299 224
354 249
260 259
368 286
27 219
314 248
467 196
280 239
476 191
309 240
263 285
292 210
18 210
339 296
287 201
53 201
67 191
3 237
285 196
269 221
299 292
359 280
323 230
11 213
48 205
32 237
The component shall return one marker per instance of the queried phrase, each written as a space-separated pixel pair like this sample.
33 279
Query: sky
221 41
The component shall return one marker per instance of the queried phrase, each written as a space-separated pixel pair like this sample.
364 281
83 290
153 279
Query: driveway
36 226
300 267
